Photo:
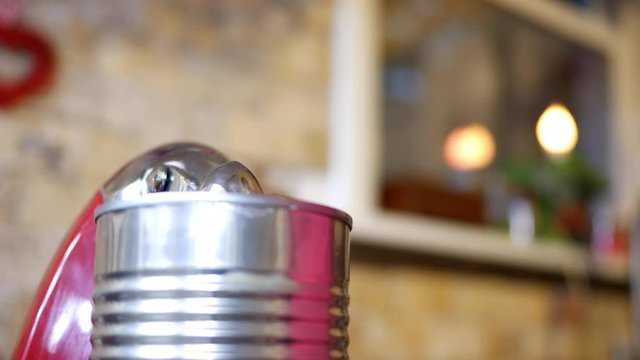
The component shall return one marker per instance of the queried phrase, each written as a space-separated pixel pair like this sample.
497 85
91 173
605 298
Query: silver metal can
208 274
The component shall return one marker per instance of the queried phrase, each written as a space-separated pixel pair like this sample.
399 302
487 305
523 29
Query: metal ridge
233 198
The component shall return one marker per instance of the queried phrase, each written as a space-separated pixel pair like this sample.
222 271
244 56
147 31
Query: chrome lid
180 167
192 172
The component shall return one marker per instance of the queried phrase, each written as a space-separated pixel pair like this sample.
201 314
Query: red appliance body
58 326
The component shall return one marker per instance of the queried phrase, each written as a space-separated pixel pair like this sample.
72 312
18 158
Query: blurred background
486 150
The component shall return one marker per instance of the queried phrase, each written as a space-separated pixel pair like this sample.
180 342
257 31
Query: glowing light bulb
556 130
470 147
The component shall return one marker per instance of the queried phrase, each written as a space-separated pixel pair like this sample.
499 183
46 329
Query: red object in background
576 220
22 40
58 326
423 196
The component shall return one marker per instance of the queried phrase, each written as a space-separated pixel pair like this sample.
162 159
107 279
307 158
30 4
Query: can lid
190 172
180 167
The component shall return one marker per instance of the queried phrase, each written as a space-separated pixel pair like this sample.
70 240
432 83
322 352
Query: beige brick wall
418 311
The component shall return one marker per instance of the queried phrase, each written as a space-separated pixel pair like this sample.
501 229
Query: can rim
239 199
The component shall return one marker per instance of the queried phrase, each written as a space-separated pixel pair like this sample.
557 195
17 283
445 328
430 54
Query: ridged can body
220 276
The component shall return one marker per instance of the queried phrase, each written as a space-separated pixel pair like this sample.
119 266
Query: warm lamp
556 130
470 147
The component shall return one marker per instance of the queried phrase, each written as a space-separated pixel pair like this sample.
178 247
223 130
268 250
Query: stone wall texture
250 78
418 311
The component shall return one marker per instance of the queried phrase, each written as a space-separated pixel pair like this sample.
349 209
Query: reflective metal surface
194 268
180 167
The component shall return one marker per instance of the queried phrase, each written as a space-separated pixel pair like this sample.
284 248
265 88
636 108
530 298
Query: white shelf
480 244
577 25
